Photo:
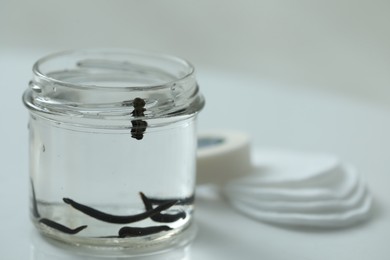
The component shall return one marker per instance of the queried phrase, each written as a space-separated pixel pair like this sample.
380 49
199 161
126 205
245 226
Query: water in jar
81 176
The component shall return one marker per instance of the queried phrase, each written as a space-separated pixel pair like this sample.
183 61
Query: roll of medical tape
222 156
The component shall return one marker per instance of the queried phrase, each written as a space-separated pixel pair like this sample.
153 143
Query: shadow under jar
113 148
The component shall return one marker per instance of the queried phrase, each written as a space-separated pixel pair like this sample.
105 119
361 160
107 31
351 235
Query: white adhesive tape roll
222 156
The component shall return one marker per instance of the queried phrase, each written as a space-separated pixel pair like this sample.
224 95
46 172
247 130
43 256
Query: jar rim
38 72
101 85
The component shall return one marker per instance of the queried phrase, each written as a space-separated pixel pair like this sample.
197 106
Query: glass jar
113 148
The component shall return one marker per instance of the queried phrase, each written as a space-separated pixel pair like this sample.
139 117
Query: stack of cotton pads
295 188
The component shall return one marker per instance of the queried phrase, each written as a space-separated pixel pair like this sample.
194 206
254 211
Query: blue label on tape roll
204 142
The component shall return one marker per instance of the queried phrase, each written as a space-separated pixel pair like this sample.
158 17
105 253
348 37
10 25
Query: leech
60 227
185 201
35 211
160 217
118 219
141 231
139 126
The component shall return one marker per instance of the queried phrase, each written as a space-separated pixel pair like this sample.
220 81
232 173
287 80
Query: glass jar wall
112 148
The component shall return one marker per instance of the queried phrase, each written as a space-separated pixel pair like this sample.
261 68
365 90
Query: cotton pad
277 168
339 188
333 205
300 189
328 219
282 187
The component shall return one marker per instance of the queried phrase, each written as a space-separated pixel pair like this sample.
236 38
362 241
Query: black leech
60 227
118 219
139 126
162 218
35 211
185 201
48 222
141 231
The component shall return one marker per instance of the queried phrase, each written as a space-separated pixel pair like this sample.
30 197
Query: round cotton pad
300 189
275 167
354 200
346 218
339 188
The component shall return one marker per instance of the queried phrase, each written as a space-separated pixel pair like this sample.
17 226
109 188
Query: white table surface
274 115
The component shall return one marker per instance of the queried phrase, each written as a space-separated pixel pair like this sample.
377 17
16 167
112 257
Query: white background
309 75
338 45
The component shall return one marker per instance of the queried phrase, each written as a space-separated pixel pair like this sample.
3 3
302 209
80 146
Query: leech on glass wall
35 211
141 231
60 227
139 126
160 217
118 219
